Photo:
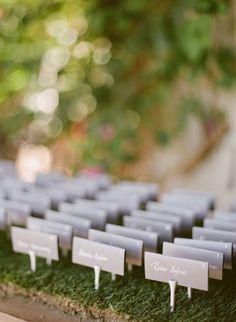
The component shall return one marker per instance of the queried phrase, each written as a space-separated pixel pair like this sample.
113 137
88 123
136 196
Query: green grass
130 296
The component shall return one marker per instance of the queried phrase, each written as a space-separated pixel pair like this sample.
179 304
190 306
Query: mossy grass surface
131 297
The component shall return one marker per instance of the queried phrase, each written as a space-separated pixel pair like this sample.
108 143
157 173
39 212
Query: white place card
112 209
89 253
185 272
97 217
34 243
176 221
80 226
150 239
217 235
63 231
133 247
214 259
164 230
225 248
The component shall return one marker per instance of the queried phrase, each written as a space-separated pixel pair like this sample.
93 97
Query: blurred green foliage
101 71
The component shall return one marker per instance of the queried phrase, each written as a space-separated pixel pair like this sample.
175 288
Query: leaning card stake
34 243
99 256
173 270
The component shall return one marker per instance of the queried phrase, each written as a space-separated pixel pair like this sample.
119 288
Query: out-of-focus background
141 89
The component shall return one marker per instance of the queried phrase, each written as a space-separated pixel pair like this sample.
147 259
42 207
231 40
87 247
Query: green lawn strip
131 297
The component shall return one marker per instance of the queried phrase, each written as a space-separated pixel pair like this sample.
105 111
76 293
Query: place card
98 217
56 195
80 226
209 196
172 219
200 207
63 231
34 243
16 212
219 224
164 230
73 191
217 235
38 202
150 240
187 215
141 192
98 256
173 270
222 247
133 247
50 178
153 188
125 204
112 209
225 216
214 259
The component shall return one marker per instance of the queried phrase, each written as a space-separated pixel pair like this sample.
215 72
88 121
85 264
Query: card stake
99 257
34 243
174 270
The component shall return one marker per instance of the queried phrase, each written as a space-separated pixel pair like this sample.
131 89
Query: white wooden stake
189 293
172 294
32 260
97 270
130 267
113 276
49 261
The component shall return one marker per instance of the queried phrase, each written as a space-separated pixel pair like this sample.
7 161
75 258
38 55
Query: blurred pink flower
107 132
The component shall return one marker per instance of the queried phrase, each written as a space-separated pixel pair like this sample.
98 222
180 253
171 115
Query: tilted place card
80 226
225 215
188 215
89 253
99 256
222 247
187 199
209 196
164 230
98 217
176 221
153 188
133 247
185 272
56 195
63 231
141 192
16 212
214 259
38 202
112 209
217 235
200 209
126 205
150 239
34 243
72 190
219 224
173 270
